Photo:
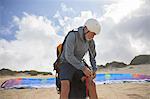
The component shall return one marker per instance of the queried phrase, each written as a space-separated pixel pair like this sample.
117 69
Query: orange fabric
59 48
90 89
87 83
136 75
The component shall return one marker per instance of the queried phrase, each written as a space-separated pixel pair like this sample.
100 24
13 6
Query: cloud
123 35
68 19
69 23
126 39
137 26
119 9
138 23
36 41
6 30
34 46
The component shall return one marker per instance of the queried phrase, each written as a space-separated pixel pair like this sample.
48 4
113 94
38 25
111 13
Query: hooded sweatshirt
75 47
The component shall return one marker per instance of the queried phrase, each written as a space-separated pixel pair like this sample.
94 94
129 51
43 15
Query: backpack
58 62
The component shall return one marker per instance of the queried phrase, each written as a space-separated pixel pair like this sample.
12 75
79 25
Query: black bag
58 62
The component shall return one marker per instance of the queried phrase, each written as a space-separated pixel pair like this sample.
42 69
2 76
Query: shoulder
71 36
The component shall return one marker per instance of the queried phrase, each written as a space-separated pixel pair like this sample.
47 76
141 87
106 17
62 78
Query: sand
109 91
113 91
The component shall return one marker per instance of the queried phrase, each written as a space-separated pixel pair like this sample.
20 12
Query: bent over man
76 45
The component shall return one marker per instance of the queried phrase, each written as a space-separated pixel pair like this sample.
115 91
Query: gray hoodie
75 48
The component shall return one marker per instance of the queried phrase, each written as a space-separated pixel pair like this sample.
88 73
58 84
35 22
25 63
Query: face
89 35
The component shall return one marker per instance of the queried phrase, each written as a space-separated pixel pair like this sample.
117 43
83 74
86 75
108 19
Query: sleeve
92 55
69 52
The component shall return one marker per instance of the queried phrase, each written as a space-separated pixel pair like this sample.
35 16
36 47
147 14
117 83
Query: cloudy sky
30 30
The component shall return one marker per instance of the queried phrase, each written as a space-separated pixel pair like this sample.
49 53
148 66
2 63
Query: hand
93 75
87 72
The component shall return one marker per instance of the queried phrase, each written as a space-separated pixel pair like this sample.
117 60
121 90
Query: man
74 49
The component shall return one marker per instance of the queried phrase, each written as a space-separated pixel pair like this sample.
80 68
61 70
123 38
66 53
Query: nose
93 35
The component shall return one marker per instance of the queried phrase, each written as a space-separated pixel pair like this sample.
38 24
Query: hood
81 33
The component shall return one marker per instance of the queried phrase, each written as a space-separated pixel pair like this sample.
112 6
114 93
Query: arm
92 53
69 52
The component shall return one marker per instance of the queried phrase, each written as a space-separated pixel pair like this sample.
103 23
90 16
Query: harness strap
87 87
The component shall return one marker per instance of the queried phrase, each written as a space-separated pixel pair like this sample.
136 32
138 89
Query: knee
65 86
91 83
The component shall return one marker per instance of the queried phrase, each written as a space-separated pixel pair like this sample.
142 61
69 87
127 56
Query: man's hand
87 72
93 75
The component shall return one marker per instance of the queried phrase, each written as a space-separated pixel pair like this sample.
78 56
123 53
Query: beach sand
107 91
112 91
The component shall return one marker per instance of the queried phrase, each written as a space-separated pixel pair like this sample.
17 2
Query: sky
30 30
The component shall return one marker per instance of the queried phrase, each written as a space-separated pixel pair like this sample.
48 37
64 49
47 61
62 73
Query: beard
88 39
